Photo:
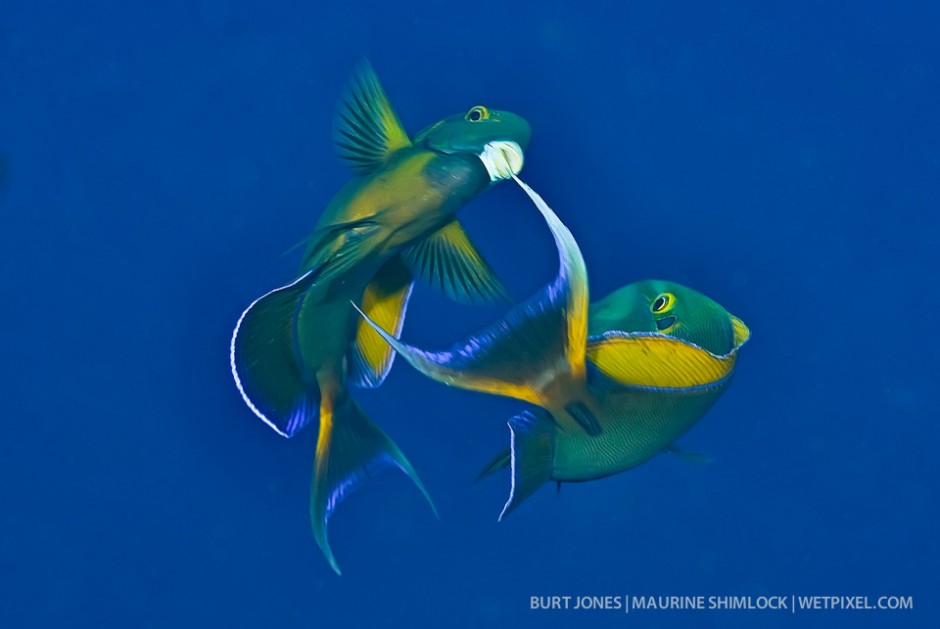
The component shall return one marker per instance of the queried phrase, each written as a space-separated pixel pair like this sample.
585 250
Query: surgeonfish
295 350
613 383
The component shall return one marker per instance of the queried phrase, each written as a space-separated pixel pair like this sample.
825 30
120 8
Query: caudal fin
266 362
350 449
541 339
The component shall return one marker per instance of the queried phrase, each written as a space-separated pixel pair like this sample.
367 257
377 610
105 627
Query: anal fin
337 249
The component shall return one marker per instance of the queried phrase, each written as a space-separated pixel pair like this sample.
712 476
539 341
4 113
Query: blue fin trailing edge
266 364
350 449
511 356
532 449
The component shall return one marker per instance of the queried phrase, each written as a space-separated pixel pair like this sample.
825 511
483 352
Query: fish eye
663 303
478 113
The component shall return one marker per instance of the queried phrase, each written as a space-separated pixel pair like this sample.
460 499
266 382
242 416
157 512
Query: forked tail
274 382
533 353
350 449
537 344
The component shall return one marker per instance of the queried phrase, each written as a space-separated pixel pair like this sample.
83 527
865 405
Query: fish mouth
502 159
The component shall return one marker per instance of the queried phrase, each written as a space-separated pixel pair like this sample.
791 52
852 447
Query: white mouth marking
502 159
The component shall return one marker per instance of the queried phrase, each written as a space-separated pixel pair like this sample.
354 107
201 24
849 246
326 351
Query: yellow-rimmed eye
478 113
663 303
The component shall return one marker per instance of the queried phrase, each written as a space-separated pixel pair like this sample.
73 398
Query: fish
612 383
296 350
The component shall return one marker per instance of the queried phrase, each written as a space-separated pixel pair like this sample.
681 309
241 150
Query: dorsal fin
366 130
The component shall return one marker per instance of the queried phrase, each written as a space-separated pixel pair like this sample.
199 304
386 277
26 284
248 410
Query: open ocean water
157 159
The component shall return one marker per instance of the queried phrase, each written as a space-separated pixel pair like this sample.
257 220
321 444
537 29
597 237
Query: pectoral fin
267 364
340 247
583 416
649 360
449 262
366 130
532 449
538 339
384 301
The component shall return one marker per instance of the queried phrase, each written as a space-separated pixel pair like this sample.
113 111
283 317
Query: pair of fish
614 384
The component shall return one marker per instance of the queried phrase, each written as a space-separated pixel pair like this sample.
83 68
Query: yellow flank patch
415 165
658 361
402 186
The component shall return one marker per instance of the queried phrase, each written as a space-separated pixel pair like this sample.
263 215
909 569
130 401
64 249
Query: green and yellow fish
615 384
295 349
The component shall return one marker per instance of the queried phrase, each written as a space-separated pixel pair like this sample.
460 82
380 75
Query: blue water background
156 159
